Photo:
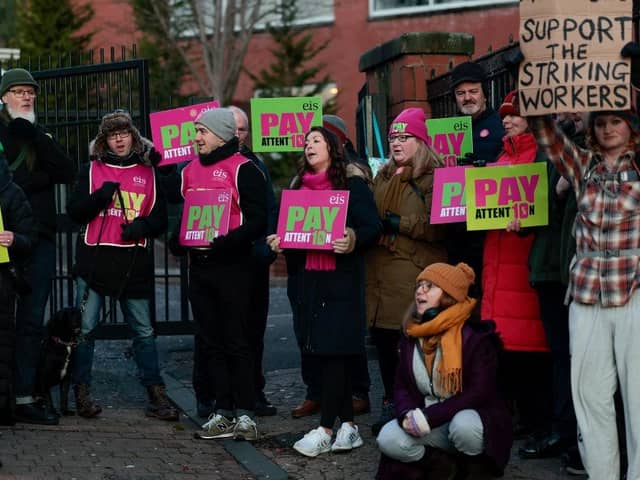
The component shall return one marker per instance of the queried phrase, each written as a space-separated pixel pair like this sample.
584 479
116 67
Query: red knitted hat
410 121
510 105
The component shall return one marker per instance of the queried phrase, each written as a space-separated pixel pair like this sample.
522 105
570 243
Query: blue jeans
30 312
136 313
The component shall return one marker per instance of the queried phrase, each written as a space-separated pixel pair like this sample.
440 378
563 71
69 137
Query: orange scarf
446 330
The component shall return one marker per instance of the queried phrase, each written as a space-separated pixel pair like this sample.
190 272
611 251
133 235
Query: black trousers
311 370
336 390
259 311
218 292
386 342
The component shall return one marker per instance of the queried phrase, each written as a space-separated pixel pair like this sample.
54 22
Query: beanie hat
510 105
410 121
16 76
453 280
219 121
335 125
628 116
467 72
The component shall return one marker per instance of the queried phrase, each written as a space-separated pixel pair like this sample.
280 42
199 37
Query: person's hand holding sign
345 244
514 226
273 241
6 238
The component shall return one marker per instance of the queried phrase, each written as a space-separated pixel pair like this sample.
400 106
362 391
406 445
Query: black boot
84 403
159 405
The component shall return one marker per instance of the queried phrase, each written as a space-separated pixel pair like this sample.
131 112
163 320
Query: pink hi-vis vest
223 174
138 187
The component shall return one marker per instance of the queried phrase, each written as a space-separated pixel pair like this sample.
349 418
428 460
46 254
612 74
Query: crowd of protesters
481 337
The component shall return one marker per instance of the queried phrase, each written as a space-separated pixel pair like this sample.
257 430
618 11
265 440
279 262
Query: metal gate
70 104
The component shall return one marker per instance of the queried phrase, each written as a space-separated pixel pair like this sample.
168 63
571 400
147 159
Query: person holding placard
508 298
224 214
120 207
326 290
446 394
402 191
604 278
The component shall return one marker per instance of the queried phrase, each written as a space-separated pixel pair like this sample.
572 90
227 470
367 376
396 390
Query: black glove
632 50
154 157
105 193
470 158
175 248
135 230
23 129
513 60
391 222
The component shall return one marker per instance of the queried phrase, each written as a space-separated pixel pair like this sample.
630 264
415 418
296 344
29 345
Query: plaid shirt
608 218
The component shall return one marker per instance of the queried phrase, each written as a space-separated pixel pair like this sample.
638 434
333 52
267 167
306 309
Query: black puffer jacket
105 267
17 218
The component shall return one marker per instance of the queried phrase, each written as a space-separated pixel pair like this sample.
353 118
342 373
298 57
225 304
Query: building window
382 8
309 12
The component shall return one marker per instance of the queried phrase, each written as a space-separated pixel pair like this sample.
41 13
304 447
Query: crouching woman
446 392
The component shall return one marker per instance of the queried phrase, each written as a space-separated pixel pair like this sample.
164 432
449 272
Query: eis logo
139 180
223 197
219 173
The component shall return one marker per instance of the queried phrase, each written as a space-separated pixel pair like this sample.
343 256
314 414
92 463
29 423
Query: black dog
54 368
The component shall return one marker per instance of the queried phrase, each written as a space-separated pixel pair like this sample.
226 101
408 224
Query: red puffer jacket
507 298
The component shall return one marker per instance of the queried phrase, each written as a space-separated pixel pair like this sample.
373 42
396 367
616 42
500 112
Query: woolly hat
335 125
219 121
16 76
467 72
410 121
453 280
510 105
628 116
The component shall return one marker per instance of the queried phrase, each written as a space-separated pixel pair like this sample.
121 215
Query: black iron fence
71 103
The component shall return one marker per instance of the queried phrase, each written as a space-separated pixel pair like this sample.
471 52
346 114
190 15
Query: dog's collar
59 341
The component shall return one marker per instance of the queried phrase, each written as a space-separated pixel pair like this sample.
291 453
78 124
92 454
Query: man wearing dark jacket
38 163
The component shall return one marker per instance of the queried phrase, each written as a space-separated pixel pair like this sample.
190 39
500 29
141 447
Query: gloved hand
105 193
135 230
470 158
154 157
175 248
22 129
513 60
391 222
415 423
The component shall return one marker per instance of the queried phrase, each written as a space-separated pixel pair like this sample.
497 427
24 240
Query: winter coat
480 389
392 270
105 267
508 298
51 166
487 135
328 306
17 218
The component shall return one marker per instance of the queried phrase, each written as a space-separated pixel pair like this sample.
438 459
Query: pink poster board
312 219
173 132
448 203
205 216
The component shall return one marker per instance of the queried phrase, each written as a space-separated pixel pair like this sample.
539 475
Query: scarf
445 330
323 260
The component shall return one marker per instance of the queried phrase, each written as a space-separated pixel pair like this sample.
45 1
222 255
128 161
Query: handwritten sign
279 124
205 216
173 132
448 203
450 137
497 195
312 219
4 251
572 55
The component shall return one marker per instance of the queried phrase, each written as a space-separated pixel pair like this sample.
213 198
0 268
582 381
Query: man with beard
38 163
469 88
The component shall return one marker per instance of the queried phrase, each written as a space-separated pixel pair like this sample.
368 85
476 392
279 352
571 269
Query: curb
243 452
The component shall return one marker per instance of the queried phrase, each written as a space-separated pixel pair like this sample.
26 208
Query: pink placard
312 219
173 132
205 216
448 202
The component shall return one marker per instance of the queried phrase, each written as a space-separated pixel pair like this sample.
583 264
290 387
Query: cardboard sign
450 137
448 204
572 55
4 251
173 132
205 216
497 195
312 219
280 124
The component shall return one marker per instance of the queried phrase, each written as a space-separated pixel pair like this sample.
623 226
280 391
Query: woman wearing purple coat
446 392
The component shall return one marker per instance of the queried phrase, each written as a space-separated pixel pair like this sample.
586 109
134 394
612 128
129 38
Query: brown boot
159 405
84 403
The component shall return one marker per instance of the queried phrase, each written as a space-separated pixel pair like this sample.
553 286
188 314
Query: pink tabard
223 174
138 187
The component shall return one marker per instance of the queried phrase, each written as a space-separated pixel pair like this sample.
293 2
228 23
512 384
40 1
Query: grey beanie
16 76
220 121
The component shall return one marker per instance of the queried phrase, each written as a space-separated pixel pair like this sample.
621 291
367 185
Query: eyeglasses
20 92
424 285
114 135
400 138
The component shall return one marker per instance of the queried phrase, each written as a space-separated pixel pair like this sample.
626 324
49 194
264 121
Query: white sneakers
318 441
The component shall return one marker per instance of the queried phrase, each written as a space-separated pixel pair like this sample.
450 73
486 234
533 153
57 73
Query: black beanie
467 72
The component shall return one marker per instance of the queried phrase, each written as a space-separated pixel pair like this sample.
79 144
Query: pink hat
411 121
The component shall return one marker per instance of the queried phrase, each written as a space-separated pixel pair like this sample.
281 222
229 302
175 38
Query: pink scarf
323 260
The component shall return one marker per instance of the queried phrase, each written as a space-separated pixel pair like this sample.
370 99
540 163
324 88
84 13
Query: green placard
450 137
497 195
280 124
